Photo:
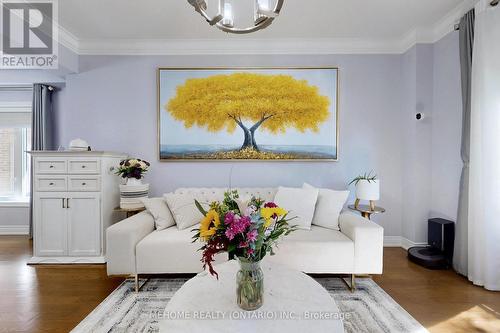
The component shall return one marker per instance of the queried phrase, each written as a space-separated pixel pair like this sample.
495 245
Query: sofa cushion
300 203
319 250
170 251
328 207
158 208
184 209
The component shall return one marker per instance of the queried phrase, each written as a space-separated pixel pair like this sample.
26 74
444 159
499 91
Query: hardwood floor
56 298
442 301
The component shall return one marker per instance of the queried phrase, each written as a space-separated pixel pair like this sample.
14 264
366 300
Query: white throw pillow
328 207
184 209
299 202
157 207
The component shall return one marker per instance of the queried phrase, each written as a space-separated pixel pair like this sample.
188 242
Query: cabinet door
84 224
50 228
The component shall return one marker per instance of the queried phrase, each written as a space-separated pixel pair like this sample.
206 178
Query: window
15 140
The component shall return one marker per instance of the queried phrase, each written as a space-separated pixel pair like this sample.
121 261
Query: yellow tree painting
272 114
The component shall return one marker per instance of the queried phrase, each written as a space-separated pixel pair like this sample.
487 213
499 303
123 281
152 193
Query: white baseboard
14 230
66 260
398 241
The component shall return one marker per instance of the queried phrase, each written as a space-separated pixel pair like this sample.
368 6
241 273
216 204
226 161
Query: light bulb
228 15
263 11
263 4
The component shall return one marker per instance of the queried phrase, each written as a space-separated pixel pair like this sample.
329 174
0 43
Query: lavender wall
431 158
111 103
416 174
446 128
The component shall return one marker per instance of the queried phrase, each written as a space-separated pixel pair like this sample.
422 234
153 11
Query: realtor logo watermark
29 34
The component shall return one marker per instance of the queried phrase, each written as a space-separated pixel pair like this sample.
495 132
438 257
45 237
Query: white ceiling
92 23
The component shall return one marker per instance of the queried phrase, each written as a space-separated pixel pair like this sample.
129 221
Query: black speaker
439 253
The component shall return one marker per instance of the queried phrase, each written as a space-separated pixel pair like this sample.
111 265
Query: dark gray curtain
460 257
41 128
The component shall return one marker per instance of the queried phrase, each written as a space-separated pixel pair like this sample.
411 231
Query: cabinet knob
83 166
51 183
51 166
84 184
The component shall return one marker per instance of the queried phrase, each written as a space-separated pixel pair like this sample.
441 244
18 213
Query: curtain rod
17 87
22 87
494 3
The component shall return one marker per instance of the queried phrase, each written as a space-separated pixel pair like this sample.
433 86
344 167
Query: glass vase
249 285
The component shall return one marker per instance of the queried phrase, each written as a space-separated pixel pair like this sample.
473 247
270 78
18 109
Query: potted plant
247 229
133 170
367 188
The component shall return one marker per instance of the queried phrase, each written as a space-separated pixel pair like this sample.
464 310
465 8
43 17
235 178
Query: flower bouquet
132 168
247 229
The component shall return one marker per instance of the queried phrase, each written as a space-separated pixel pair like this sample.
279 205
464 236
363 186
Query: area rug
369 309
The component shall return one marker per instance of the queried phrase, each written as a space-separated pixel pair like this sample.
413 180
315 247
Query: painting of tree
270 102
248 105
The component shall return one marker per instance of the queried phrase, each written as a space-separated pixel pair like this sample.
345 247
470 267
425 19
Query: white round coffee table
293 302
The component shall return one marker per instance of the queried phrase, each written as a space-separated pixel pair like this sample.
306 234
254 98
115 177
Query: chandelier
224 20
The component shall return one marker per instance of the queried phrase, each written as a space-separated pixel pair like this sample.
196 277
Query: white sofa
135 247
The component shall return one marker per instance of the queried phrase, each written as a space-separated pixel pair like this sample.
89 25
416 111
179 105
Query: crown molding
243 46
237 46
447 23
68 40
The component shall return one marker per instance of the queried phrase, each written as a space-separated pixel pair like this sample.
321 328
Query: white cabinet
74 197
84 224
50 237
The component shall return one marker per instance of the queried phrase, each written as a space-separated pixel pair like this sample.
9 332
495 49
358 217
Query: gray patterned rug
370 309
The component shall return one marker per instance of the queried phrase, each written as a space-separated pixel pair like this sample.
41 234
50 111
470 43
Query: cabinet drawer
84 166
52 183
50 166
84 183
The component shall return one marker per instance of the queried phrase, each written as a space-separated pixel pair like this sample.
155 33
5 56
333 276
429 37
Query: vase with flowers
133 170
134 191
247 229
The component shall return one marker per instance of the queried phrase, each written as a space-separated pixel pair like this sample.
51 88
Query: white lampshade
368 190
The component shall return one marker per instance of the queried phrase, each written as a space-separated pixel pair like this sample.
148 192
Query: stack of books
131 196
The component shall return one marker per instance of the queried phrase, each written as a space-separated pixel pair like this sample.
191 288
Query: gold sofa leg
352 284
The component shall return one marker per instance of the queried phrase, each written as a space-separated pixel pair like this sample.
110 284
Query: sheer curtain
484 189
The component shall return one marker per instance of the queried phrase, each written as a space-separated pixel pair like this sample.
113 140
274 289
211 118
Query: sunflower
209 224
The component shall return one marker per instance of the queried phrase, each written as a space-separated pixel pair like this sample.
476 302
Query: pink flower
238 226
230 233
250 251
252 235
229 218
243 244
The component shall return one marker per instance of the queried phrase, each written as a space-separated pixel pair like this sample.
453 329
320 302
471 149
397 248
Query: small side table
366 211
129 211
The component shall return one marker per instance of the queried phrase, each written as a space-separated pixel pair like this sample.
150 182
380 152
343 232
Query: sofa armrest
368 240
121 240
